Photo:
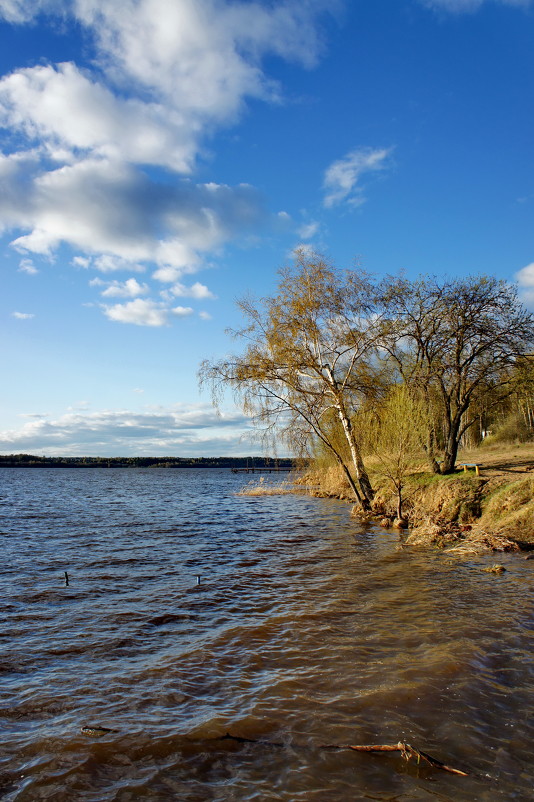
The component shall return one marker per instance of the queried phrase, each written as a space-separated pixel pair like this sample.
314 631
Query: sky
160 159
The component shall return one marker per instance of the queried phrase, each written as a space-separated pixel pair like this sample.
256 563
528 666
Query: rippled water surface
305 630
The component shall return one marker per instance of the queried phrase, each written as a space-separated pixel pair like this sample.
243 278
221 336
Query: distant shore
34 461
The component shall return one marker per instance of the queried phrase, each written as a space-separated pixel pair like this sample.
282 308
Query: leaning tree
310 357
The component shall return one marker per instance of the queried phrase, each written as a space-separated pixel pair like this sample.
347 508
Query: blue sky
161 158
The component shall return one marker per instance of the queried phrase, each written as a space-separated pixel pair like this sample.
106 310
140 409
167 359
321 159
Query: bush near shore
462 512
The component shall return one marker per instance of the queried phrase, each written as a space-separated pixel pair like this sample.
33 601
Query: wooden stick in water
407 753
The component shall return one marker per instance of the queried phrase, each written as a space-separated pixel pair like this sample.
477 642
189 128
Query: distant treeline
33 461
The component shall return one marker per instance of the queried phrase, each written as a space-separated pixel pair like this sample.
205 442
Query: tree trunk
351 483
430 451
359 468
367 491
399 503
451 452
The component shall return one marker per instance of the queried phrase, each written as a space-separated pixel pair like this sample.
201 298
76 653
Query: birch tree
310 355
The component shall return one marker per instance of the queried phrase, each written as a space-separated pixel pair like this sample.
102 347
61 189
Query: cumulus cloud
140 312
106 263
163 77
525 280
121 289
121 216
342 180
182 311
197 290
203 57
181 430
70 114
193 64
23 315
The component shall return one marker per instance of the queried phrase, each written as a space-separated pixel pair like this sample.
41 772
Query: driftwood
408 752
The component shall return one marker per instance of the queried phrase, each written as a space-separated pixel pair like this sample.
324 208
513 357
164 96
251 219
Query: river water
306 629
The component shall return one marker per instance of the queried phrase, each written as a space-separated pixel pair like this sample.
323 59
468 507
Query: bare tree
456 341
311 354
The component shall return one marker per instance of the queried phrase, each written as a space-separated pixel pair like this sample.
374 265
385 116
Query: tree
310 357
395 430
456 342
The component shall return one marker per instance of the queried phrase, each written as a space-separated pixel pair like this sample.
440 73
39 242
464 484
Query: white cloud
140 312
145 312
204 315
341 180
525 280
192 65
19 11
116 212
107 263
182 311
22 315
204 56
308 230
71 115
197 290
81 261
27 266
182 430
124 289
163 77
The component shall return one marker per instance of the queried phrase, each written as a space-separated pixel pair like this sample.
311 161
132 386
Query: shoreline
461 513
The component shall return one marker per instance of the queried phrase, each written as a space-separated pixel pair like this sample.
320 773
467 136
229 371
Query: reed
259 487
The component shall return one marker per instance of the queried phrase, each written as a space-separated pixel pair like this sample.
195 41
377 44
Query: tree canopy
456 341
310 356
330 342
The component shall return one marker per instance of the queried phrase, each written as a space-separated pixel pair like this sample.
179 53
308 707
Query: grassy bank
462 512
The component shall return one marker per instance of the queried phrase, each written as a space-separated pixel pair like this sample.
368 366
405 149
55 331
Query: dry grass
462 513
510 509
329 482
259 487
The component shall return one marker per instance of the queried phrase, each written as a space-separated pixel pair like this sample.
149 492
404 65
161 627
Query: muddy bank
462 512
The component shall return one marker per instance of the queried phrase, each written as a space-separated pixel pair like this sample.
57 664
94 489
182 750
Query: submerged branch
407 751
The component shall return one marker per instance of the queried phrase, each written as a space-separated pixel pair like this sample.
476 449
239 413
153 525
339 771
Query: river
304 629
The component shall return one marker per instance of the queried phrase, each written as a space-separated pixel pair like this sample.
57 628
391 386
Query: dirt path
503 461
